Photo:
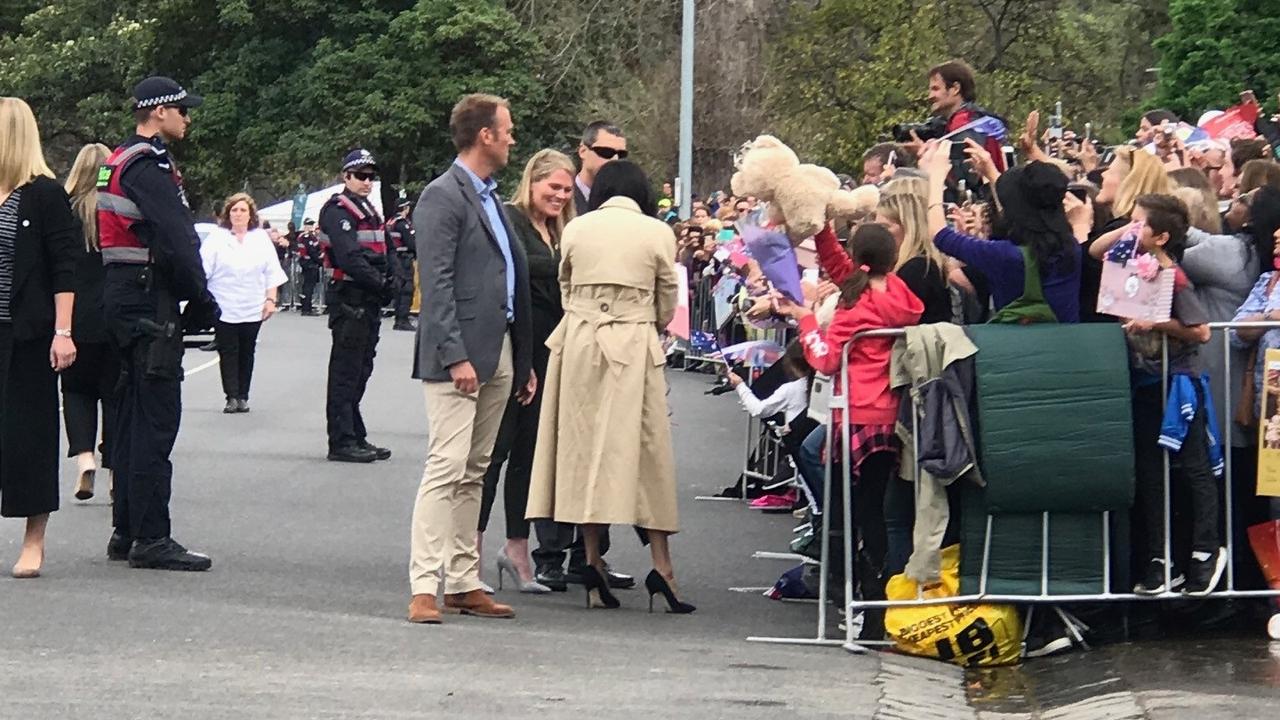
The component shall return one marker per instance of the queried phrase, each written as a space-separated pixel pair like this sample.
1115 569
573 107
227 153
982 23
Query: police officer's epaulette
346 204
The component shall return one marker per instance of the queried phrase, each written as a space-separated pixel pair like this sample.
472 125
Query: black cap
158 90
403 204
357 159
308 221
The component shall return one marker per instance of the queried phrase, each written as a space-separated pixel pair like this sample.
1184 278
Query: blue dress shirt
486 189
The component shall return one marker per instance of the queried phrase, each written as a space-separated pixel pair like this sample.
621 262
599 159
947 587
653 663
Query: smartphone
893 158
725 235
1080 192
1088 132
957 151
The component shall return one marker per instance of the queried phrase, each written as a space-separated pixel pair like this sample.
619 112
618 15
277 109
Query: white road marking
205 366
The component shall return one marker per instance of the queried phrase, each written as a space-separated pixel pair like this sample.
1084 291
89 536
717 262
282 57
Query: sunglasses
609 153
183 111
365 176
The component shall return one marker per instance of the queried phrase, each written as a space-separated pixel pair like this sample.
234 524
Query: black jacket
365 268
544 276
88 320
44 257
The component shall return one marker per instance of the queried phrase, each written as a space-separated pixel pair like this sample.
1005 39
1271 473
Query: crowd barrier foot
770 555
715 498
758 589
811 642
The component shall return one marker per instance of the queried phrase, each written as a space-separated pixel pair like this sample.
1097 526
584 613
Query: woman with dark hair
1030 217
604 452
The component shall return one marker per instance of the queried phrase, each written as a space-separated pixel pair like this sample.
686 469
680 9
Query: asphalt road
303 613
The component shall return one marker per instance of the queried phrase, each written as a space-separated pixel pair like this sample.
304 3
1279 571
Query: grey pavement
303 613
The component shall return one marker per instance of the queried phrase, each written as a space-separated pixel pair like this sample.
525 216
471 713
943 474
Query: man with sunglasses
152 258
601 143
361 285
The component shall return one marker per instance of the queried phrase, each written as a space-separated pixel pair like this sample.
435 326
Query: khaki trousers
463 429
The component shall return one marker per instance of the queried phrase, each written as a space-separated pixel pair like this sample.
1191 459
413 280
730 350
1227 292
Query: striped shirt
8 236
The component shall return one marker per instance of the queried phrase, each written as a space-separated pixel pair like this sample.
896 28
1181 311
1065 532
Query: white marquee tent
281 213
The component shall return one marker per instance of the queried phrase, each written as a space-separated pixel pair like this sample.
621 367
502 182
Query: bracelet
62 332
272 301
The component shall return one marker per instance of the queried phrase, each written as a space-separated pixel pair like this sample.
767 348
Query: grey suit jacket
464 288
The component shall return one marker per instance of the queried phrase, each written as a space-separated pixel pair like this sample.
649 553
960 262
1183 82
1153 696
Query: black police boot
379 453
166 554
118 547
405 324
351 454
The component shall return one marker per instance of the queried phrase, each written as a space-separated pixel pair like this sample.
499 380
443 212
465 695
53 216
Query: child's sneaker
1204 575
1153 581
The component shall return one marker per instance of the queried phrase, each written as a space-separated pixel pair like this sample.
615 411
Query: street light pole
686 110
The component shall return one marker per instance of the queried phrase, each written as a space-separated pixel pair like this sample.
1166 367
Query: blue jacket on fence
1180 409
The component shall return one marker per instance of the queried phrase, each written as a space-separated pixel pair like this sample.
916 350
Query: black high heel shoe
598 595
655 584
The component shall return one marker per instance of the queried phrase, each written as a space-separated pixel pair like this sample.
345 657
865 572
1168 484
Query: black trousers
237 343
310 279
28 427
402 267
93 379
355 343
1195 505
150 407
514 447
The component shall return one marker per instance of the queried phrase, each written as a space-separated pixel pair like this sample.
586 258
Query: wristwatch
63 332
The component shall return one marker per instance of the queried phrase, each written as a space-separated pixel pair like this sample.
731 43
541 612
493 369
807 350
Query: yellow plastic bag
966 635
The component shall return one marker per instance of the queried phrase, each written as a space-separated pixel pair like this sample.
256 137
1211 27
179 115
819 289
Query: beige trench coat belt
617 344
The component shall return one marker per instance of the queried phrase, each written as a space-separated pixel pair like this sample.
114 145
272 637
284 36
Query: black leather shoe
233 406
573 576
406 325
118 547
620 581
351 454
379 453
552 578
242 405
166 554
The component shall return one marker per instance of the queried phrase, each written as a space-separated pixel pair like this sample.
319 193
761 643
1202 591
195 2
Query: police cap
357 159
158 90
308 221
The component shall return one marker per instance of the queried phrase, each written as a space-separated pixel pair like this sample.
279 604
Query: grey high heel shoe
505 565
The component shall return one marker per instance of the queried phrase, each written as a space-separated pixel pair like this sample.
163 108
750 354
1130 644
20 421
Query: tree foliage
1216 49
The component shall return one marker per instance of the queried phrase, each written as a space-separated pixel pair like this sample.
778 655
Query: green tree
1216 49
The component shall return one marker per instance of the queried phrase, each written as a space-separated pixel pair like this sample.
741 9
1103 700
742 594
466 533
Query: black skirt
28 427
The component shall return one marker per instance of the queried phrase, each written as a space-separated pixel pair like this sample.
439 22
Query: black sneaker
379 453
1153 581
1204 575
166 554
351 454
1046 635
118 547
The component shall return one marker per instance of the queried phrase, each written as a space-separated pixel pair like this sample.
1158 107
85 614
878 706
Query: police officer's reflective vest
117 214
368 231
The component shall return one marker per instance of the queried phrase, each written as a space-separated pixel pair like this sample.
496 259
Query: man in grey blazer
474 347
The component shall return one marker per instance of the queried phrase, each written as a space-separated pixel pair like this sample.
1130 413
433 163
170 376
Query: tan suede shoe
422 609
477 603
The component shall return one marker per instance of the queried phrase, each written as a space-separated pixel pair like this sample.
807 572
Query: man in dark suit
474 347
602 142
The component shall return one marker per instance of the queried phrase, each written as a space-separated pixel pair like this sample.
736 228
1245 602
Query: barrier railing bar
1068 598
1228 424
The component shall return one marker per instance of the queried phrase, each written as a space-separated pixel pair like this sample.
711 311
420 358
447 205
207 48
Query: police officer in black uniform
402 244
361 287
311 262
152 257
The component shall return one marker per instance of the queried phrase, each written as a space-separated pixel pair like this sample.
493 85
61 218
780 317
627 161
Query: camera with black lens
932 129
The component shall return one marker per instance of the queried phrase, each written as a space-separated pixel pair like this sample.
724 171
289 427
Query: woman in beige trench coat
604 451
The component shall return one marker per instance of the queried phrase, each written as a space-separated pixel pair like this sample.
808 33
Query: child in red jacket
871 298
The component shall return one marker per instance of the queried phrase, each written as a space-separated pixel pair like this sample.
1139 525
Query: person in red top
953 94
871 298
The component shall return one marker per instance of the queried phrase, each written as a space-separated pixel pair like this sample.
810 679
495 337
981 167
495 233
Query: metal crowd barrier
852 606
